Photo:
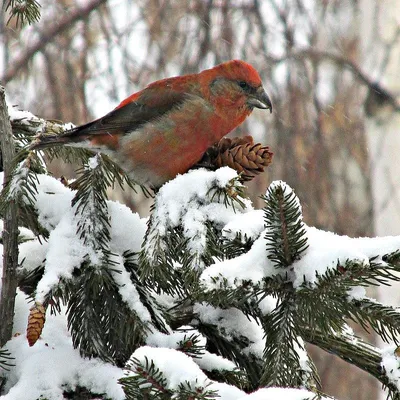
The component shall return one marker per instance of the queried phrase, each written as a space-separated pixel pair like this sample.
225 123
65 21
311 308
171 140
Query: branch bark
10 230
344 62
359 353
76 15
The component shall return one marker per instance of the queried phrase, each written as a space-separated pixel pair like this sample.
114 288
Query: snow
24 233
41 370
187 201
52 364
65 245
176 197
300 349
93 162
281 394
53 205
182 370
325 250
391 364
159 339
127 229
212 362
226 391
20 115
128 290
267 305
251 266
53 201
204 359
247 226
32 254
20 173
233 323
357 293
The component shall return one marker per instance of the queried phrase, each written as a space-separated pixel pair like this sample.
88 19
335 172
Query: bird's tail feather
71 137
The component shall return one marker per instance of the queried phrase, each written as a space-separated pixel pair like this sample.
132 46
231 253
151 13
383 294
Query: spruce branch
22 190
334 304
384 320
147 382
175 250
392 260
26 126
191 345
231 195
159 258
187 391
234 247
101 324
354 351
231 347
28 280
286 235
281 348
5 359
25 11
158 314
90 202
325 311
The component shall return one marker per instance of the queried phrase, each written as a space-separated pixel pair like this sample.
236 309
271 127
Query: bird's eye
244 85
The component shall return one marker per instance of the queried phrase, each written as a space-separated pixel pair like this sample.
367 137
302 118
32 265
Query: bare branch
346 63
20 62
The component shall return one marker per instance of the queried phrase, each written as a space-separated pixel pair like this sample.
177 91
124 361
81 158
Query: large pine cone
241 154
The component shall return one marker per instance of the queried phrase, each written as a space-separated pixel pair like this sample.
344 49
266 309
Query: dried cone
36 320
243 155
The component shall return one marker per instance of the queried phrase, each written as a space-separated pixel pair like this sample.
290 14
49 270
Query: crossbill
164 129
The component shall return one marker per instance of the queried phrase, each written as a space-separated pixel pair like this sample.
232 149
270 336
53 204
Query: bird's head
236 83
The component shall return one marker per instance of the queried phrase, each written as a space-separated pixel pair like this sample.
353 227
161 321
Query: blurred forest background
331 67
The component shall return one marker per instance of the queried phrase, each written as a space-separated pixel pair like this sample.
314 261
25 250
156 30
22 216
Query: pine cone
36 320
242 155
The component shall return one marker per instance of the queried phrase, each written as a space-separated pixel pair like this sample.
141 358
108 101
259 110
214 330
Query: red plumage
164 129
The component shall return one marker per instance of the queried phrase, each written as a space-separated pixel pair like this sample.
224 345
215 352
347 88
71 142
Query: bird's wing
150 104
138 109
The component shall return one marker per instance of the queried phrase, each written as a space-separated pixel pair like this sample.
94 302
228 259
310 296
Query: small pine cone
36 320
243 155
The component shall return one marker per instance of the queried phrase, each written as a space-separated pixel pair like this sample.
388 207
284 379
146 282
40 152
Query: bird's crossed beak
260 99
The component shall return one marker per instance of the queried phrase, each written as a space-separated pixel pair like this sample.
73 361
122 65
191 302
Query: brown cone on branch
242 154
36 320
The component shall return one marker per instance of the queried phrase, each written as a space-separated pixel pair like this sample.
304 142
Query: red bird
164 129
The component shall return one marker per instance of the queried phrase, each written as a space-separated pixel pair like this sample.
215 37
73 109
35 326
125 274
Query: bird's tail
76 137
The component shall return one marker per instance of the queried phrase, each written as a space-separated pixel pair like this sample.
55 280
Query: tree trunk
10 230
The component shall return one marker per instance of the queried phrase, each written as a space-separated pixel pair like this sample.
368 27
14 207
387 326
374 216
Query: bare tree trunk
10 230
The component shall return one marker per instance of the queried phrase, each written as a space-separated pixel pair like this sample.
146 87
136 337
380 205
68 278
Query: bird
163 130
